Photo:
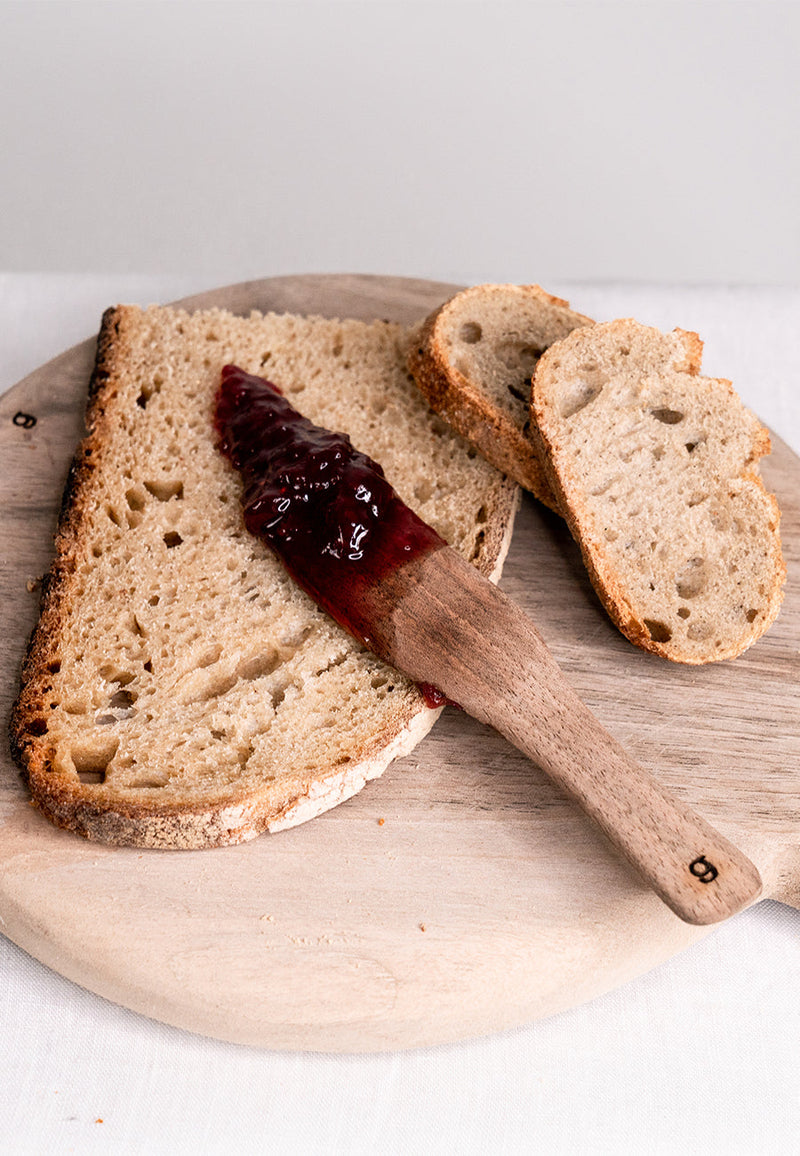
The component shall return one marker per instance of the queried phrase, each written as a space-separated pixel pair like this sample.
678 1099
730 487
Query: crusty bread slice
474 358
180 691
655 470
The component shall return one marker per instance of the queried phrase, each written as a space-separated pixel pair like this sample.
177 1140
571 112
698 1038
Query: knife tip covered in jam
323 507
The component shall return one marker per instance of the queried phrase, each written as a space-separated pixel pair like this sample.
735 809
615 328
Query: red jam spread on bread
434 697
325 509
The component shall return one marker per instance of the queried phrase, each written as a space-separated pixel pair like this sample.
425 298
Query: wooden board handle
442 623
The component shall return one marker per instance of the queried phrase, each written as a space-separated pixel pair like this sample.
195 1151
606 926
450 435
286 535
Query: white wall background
647 140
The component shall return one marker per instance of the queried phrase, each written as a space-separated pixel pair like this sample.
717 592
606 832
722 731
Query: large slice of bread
474 358
655 470
180 691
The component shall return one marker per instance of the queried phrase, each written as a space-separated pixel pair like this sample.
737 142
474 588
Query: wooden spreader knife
386 576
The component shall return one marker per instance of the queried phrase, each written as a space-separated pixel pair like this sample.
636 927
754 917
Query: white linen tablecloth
701 1055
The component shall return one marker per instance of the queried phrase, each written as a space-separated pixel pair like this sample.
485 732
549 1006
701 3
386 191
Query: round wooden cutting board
458 894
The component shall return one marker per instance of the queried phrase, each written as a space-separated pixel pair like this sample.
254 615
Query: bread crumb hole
279 694
172 539
258 665
134 499
91 760
423 491
209 657
470 333
692 580
476 549
520 392
164 490
751 615
658 631
576 399
520 356
91 777
683 612
667 416
603 486
123 699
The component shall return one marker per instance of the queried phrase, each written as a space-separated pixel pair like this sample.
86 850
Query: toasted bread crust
235 814
30 710
501 438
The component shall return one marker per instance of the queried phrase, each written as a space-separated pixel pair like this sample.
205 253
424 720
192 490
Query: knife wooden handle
441 622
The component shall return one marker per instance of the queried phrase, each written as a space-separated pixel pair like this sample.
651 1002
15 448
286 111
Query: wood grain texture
313 939
442 623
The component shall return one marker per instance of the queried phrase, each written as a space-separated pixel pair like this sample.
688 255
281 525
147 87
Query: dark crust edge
66 802
30 749
489 429
615 604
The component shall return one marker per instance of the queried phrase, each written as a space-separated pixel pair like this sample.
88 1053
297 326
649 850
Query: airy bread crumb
656 472
473 359
180 691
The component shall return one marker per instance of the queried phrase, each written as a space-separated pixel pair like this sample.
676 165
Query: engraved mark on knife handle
703 870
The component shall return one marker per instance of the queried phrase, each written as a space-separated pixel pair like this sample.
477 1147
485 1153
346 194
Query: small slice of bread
474 358
655 470
180 691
